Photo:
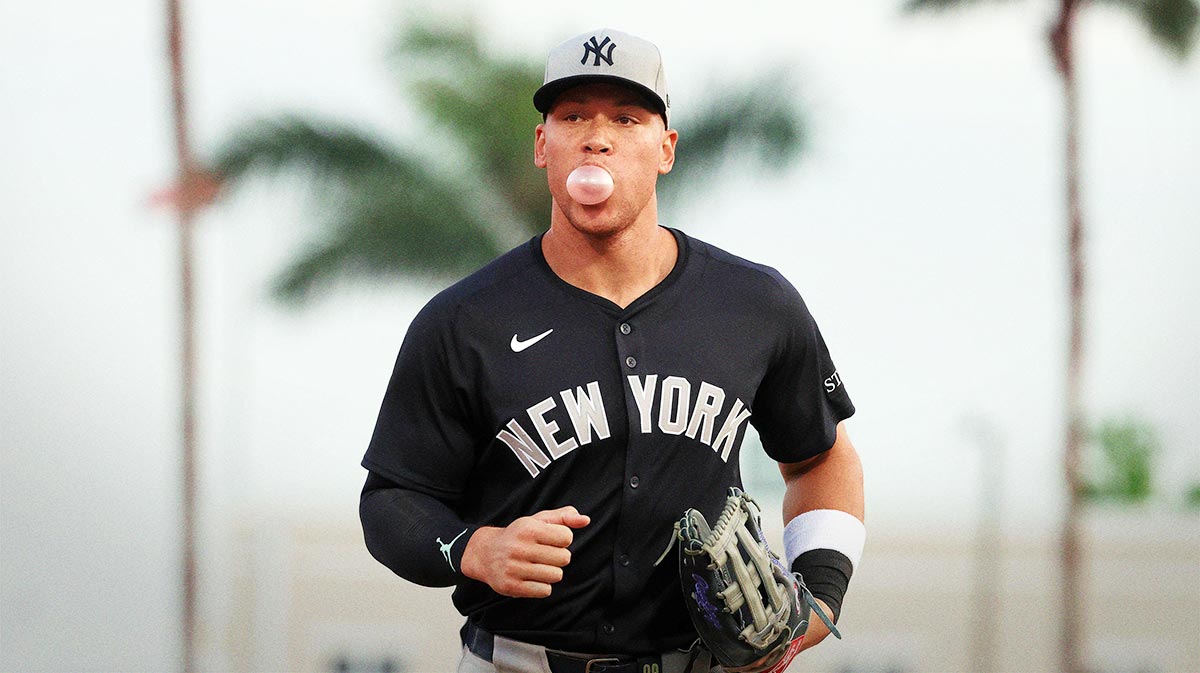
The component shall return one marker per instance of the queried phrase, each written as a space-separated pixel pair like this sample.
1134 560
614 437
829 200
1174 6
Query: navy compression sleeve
415 535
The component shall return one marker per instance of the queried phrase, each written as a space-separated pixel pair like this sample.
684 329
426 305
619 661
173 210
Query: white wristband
825 529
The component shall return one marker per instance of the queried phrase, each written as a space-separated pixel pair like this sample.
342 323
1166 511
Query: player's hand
525 558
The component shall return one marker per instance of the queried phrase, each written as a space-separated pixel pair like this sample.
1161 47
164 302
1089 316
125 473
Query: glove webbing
733 547
741 506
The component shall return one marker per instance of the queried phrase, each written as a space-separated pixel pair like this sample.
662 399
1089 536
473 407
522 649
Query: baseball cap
605 55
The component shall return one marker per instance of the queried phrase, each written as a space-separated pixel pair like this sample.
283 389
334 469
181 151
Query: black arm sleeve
827 574
417 536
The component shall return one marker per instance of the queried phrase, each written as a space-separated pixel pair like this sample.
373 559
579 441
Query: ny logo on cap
593 47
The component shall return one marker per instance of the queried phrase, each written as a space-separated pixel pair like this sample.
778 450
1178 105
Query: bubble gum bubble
590 185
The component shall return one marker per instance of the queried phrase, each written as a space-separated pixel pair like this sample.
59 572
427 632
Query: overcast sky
923 226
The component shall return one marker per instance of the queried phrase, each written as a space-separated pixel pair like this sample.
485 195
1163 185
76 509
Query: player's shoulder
723 269
487 287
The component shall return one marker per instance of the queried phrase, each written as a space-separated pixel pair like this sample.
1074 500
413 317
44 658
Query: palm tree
186 211
405 210
1171 23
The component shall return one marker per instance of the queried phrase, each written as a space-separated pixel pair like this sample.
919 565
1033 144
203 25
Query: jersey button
634 481
623 559
625 328
608 629
631 362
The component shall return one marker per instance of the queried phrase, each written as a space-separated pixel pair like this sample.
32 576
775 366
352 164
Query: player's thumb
567 516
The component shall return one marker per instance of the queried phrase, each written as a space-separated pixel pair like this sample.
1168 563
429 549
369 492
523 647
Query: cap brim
544 98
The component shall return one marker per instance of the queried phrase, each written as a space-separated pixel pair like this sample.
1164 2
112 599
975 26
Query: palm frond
1171 23
482 102
388 226
493 123
939 5
325 149
384 209
744 123
424 43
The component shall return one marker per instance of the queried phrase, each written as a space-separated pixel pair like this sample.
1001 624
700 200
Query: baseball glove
751 613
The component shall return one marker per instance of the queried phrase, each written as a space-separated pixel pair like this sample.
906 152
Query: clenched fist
525 558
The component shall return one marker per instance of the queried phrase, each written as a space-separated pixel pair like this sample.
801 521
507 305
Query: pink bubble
590 185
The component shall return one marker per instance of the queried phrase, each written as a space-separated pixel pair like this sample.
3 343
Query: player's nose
595 142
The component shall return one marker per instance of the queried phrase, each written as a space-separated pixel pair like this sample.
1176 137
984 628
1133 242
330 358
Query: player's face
609 126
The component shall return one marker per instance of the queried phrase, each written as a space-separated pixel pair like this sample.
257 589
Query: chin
603 220
600 224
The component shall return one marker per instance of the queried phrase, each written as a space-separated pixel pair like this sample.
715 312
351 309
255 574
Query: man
552 415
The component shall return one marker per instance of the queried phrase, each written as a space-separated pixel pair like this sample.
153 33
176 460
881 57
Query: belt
565 663
481 643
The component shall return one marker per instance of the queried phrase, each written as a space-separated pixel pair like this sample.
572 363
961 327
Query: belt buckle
587 668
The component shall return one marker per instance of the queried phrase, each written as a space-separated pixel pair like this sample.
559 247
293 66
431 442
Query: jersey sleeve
802 398
423 438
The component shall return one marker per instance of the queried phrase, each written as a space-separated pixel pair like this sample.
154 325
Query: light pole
988 547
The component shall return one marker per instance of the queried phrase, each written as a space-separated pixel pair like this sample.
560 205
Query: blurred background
904 165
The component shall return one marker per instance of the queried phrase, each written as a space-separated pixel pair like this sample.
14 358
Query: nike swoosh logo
517 345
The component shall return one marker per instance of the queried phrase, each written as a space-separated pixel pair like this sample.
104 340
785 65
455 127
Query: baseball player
550 416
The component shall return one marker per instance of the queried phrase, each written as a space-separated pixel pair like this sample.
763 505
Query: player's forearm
825 542
817 631
416 536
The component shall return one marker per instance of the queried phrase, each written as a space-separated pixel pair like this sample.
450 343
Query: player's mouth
590 184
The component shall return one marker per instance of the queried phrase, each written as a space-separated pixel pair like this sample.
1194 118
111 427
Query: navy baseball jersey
515 392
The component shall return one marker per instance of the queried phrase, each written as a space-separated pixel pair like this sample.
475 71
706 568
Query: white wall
308 593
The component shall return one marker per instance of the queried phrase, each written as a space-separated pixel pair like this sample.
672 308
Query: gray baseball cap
605 55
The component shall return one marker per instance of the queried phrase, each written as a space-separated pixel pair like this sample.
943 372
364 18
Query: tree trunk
187 336
1073 597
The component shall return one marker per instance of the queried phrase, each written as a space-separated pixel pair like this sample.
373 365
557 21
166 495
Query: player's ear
667 155
539 146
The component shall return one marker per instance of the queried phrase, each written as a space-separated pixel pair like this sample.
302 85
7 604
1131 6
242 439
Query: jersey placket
626 568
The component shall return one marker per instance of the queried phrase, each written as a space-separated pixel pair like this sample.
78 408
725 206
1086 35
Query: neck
619 266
